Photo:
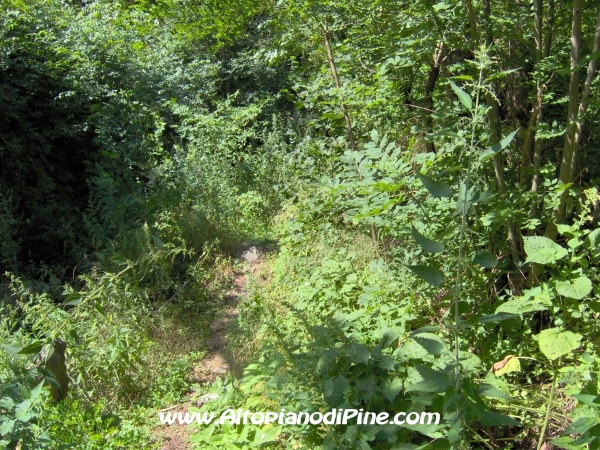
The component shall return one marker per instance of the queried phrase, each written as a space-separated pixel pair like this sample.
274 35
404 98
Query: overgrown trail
220 361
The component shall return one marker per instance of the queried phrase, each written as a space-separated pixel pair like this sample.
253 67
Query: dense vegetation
427 170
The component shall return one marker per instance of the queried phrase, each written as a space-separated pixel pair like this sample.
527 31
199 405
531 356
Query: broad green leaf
340 385
587 399
541 250
328 387
389 336
582 425
539 294
383 142
12 350
489 390
360 354
435 188
429 380
426 329
469 361
567 443
428 429
267 434
430 274
464 201
484 196
254 401
577 288
485 259
326 360
355 315
386 362
574 243
499 383
464 98
411 350
593 239
23 411
6 403
36 391
429 245
73 299
374 136
495 318
30 349
391 388
430 342
564 229
492 419
554 343
6 427
519 306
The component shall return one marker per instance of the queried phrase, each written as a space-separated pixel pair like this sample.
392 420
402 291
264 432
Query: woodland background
427 170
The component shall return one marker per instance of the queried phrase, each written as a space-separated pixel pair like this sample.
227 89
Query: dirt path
218 362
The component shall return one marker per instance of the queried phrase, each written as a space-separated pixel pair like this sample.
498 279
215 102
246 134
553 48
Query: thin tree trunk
472 23
593 65
493 113
429 87
537 146
537 115
487 13
549 25
565 176
336 80
493 116
514 236
528 144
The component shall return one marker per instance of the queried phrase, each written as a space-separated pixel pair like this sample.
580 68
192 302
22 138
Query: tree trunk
346 114
566 175
336 80
429 87
593 65
537 146
493 116
549 25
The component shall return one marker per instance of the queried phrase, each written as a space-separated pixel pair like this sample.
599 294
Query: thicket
428 169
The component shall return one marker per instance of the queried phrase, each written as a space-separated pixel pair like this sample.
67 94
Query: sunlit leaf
555 343
541 250
463 97
578 288
507 365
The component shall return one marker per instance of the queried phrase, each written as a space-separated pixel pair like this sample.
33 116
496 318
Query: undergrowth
434 202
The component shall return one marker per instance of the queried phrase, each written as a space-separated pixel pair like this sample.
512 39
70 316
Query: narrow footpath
218 361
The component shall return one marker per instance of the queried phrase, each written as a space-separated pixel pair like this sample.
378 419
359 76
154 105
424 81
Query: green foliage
554 344
407 172
20 409
542 250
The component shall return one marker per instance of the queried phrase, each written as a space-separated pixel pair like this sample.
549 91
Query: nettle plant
380 187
